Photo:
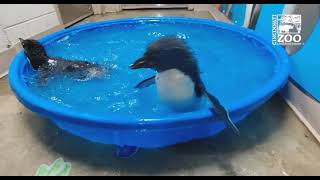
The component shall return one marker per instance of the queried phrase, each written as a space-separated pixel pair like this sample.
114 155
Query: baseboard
3 74
219 16
304 120
150 6
307 109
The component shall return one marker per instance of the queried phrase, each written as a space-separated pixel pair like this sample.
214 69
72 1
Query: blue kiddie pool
237 66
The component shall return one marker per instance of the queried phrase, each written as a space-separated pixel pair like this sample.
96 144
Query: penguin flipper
147 82
221 112
43 77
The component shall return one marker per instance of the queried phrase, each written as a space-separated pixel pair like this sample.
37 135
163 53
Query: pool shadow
216 150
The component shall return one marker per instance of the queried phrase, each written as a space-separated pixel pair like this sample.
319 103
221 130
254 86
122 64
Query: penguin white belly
52 62
176 89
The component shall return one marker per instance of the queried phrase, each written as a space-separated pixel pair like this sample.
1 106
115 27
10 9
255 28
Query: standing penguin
80 70
178 79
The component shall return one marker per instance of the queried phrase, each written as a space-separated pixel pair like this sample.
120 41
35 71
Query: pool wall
148 133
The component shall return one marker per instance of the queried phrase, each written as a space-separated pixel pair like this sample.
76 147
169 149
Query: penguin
178 79
46 66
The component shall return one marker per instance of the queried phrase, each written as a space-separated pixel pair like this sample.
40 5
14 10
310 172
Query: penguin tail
221 112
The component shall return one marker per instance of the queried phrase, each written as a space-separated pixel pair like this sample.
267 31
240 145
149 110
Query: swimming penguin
178 79
80 70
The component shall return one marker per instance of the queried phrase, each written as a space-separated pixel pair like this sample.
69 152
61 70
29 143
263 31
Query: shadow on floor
215 150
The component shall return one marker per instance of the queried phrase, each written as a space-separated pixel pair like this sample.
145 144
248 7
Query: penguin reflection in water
178 79
49 66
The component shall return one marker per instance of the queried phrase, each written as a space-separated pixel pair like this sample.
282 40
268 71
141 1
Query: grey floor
273 142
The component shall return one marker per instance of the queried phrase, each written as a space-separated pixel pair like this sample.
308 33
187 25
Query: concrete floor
273 142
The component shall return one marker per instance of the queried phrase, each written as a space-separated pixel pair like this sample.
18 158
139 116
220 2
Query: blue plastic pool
239 67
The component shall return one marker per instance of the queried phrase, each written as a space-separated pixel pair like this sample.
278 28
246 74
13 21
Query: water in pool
230 69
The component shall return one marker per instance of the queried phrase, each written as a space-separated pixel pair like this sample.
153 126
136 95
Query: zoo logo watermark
286 29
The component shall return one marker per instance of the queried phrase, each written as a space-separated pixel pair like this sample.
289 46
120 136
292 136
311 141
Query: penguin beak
21 40
140 63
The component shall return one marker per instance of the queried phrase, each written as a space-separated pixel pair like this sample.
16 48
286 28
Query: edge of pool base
129 136
126 140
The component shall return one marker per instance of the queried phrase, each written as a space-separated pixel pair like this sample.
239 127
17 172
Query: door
72 13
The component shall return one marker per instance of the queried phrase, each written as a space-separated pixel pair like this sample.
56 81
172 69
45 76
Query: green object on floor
57 168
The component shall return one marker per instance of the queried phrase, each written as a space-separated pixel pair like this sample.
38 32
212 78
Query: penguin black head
34 51
166 53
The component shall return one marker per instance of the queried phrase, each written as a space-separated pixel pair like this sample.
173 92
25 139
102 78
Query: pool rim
49 109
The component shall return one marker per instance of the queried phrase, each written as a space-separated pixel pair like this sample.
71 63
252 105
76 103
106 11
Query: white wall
25 21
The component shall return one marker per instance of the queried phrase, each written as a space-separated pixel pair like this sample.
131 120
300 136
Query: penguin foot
126 151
